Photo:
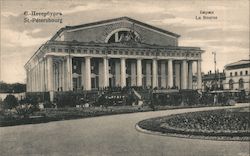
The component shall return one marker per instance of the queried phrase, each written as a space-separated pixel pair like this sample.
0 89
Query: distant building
213 81
237 76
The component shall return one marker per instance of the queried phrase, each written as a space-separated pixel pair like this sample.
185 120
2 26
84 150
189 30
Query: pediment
121 29
125 22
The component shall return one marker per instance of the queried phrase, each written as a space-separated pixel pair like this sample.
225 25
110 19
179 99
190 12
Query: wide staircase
145 94
124 96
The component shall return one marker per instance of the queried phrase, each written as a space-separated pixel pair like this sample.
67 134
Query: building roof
212 76
113 20
238 64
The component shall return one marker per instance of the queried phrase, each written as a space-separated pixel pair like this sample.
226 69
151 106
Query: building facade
213 81
237 76
116 52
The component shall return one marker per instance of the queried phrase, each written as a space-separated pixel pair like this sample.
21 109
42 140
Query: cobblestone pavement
110 136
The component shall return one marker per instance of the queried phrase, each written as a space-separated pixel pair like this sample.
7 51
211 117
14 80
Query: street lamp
214 53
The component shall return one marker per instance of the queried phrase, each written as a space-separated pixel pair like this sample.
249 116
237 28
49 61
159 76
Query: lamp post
214 53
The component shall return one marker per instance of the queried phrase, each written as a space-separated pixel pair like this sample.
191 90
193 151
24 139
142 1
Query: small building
213 81
237 76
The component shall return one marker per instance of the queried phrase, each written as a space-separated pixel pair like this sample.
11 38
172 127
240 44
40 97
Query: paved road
109 136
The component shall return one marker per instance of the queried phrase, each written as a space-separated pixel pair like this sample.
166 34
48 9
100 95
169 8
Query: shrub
38 96
10 102
48 104
66 99
25 110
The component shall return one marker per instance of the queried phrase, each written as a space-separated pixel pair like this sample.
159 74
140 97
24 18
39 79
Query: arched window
122 35
241 84
231 84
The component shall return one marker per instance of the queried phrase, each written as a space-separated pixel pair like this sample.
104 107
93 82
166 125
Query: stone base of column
51 96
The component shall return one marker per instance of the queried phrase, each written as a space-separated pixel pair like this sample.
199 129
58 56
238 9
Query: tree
10 102
12 88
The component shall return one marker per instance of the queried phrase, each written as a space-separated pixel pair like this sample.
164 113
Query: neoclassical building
238 76
116 52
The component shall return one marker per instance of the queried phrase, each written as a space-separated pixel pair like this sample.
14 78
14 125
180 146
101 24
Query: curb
190 136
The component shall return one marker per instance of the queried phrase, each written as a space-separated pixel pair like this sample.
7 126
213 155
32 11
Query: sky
227 35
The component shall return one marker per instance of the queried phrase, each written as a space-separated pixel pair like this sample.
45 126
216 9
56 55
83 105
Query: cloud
228 27
86 7
184 21
218 7
142 8
13 38
117 6
180 9
36 30
8 13
197 42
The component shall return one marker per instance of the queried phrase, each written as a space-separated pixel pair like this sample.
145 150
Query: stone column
170 73
177 75
45 75
100 72
54 77
87 73
63 74
155 74
139 72
36 83
38 77
83 73
59 76
105 72
133 74
199 78
28 80
50 72
117 73
69 73
123 72
163 74
32 79
42 76
63 78
190 75
35 80
148 73
184 75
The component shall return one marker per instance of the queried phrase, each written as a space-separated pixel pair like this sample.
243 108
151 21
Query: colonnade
55 73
